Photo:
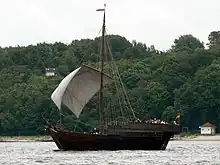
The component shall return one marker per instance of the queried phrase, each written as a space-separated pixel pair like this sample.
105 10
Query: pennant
178 116
100 9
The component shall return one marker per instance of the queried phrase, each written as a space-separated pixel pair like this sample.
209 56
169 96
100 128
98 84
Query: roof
50 69
208 125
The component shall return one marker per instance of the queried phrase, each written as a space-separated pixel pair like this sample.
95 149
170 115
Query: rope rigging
121 111
120 87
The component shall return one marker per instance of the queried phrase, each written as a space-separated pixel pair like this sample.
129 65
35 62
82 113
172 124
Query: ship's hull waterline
86 141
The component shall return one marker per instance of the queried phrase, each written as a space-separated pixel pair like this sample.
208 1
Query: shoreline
197 138
25 139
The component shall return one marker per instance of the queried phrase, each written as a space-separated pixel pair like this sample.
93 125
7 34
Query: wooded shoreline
184 79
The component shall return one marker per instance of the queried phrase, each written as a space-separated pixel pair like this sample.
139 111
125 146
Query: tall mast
101 104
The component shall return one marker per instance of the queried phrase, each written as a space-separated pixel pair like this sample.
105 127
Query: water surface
177 153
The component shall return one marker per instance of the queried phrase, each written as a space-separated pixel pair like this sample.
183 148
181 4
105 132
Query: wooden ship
77 89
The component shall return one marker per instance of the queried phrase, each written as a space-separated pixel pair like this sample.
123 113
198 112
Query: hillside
184 79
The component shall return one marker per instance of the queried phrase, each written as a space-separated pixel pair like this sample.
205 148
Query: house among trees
207 129
50 71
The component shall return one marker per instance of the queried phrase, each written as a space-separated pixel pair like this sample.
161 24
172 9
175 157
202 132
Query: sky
154 22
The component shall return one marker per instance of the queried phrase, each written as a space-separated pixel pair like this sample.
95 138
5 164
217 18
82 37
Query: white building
207 129
50 71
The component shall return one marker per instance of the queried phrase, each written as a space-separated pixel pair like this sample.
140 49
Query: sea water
177 153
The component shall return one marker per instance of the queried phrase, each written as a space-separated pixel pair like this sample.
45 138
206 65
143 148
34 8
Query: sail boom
105 74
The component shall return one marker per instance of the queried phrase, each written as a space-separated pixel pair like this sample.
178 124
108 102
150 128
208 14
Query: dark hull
79 141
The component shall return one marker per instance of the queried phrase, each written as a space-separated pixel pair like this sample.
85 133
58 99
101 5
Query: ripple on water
177 153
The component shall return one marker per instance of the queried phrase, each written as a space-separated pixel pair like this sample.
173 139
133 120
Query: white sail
77 88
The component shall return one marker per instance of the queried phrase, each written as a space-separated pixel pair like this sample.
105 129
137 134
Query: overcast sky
157 22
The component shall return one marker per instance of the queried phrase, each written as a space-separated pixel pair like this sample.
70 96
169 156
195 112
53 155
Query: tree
187 43
214 40
198 99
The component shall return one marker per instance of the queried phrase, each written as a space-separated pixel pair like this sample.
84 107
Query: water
177 153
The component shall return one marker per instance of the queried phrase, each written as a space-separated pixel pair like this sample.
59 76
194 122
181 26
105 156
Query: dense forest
184 79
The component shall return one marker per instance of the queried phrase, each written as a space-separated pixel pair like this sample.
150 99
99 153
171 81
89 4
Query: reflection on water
177 153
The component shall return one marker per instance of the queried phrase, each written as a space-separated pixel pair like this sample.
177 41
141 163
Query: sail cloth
77 88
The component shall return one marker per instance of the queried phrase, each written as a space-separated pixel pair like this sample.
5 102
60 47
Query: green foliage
184 79
214 41
187 43
189 135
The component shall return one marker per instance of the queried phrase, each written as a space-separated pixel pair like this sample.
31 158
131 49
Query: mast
101 104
